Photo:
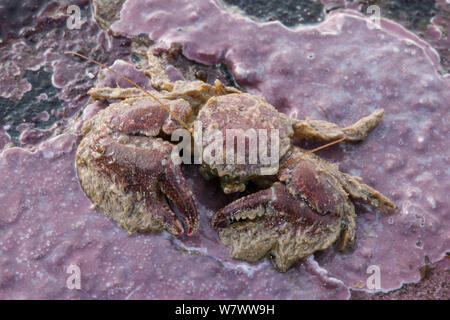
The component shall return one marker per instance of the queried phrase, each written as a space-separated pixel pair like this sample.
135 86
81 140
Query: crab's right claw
175 187
128 177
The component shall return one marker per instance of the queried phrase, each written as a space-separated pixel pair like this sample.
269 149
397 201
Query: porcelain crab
125 167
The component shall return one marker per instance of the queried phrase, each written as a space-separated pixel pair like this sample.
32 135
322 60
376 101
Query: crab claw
275 222
244 207
129 177
126 169
176 189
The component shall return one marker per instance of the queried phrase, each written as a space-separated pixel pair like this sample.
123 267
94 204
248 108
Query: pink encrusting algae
341 65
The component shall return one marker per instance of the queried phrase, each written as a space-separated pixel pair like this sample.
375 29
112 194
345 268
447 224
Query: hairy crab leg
328 131
359 190
115 93
348 228
359 130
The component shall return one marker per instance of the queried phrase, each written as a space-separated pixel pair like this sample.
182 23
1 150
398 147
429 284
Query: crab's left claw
244 207
275 222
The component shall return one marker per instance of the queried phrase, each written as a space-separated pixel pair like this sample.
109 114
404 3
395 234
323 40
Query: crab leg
155 71
115 93
328 131
351 184
348 227
359 190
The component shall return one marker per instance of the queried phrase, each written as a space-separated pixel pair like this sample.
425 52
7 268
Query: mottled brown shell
241 112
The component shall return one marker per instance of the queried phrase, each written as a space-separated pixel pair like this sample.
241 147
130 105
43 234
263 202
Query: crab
125 167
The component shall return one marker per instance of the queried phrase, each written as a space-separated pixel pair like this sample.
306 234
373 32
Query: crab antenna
313 150
321 109
136 85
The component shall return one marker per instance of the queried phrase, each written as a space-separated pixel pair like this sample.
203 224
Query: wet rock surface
39 81
434 284
32 110
428 19
288 12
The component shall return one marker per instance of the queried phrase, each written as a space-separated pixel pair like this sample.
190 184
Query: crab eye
201 75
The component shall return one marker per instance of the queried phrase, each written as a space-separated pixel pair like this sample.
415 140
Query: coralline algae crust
47 223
